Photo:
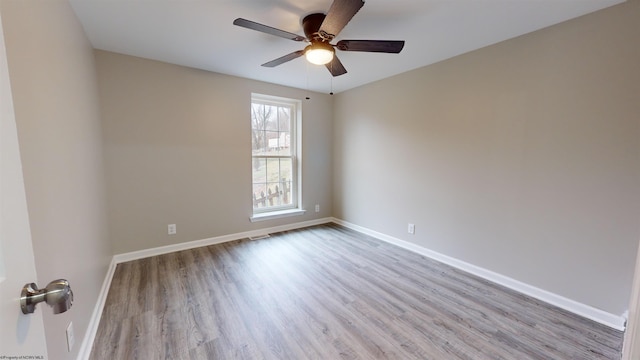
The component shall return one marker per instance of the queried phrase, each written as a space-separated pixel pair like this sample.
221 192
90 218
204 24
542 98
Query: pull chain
331 93
307 76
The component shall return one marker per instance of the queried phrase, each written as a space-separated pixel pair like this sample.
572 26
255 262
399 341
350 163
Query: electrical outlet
171 229
317 207
411 229
71 338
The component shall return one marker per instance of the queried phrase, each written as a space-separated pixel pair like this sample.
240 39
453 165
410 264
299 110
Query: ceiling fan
320 30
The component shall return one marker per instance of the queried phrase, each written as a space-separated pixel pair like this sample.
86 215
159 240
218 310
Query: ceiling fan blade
340 13
284 59
335 67
383 46
267 29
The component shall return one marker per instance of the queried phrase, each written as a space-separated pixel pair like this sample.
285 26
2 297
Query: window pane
273 170
285 169
257 140
285 188
272 142
284 144
274 194
284 119
260 115
271 114
259 170
259 195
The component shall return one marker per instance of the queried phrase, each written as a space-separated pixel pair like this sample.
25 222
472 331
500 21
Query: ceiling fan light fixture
319 53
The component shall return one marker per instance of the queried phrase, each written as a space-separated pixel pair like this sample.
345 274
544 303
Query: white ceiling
200 33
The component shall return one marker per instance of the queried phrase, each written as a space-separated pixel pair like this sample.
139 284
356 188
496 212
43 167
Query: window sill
276 214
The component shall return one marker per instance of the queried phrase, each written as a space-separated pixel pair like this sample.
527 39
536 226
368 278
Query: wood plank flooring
327 292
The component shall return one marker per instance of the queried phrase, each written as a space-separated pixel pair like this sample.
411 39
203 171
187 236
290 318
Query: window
275 160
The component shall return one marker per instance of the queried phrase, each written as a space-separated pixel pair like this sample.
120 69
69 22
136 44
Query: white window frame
295 208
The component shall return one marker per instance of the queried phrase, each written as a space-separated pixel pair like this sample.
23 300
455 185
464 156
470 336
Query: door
19 334
631 348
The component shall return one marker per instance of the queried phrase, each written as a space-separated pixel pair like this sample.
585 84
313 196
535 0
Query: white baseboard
135 255
87 342
613 321
94 321
617 322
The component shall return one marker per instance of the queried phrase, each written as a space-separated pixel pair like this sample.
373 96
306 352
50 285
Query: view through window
273 140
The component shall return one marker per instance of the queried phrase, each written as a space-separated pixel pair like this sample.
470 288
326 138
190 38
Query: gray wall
178 150
53 81
522 158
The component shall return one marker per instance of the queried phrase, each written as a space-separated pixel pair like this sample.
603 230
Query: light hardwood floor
327 292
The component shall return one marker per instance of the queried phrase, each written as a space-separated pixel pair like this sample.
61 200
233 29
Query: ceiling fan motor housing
311 26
